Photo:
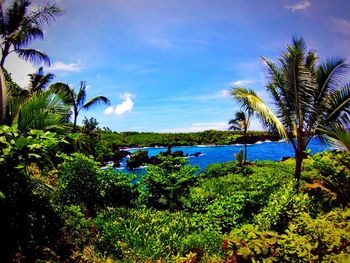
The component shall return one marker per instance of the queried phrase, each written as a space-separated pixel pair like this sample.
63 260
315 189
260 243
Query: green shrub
117 188
222 214
283 206
324 239
201 243
78 182
332 176
167 184
249 244
267 177
220 169
139 234
28 223
76 227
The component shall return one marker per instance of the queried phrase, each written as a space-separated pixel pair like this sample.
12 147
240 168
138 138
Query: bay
267 150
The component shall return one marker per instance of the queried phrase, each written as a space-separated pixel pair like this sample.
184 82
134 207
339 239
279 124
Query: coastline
196 145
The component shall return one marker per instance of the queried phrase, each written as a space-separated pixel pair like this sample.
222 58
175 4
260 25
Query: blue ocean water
274 151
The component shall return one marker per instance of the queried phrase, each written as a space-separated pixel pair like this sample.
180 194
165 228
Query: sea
209 154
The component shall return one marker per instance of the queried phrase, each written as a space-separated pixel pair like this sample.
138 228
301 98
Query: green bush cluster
78 182
322 239
28 222
166 185
64 207
333 175
148 234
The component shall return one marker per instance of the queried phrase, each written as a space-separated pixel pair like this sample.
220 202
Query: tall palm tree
241 123
307 97
77 100
39 81
19 26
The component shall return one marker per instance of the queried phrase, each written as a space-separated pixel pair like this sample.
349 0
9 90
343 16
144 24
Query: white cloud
299 6
109 110
126 105
240 82
63 67
161 43
224 93
341 25
19 69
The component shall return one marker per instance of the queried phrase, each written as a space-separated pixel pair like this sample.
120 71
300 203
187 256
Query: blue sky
167 65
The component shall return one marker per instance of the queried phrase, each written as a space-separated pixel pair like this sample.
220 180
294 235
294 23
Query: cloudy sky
166 65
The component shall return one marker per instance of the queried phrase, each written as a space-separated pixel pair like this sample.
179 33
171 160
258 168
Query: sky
168 65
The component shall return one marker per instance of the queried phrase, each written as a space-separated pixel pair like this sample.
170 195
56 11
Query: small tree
77 100
90 125
241 123
39 81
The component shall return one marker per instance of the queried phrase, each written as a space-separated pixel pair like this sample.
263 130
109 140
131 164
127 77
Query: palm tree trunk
245 146
299 156
75 121
2 102
5 52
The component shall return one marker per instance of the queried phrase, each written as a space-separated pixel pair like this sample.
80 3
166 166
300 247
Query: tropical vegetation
309 97
241 123
77 99
58 205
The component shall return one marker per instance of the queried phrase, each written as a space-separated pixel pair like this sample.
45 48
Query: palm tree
307 97
241 123
39 81
77 100
19 26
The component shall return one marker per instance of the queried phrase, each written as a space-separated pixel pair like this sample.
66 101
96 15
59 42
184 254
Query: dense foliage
144 139
58 205
65 207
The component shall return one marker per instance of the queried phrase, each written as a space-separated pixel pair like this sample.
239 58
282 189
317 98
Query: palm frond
26 35
337 103
33 55
330 75
311 60
276 75
336 135
81 95
341 140
3 96
300 83
60 87
15 14
96 100
43 111
39 81
2 20
234 125
250 100
240 122
45 14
